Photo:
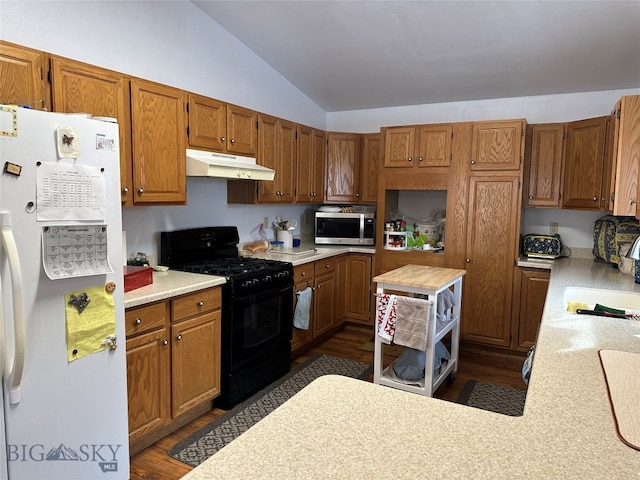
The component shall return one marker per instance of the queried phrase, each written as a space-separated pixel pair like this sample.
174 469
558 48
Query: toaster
542 246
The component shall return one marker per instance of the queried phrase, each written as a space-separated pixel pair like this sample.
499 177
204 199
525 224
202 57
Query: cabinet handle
140 191
326 266
595 198
357 195
631 202
304 274
233 140
410 159
318 286
138 321
468 260
200 303
530 197
165 342
473 162
125 190
179 337
420 159
222 139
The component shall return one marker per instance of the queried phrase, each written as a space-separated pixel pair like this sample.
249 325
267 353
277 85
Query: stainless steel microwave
345 228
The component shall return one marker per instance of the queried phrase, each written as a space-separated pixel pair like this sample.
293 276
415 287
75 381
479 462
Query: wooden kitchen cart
430 281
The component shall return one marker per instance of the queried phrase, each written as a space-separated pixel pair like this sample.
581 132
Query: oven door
259 322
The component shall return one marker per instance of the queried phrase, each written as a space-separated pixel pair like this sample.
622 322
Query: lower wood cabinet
173 363
341 292
529 294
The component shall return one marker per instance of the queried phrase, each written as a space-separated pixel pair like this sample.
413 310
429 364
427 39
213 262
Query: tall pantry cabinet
493 230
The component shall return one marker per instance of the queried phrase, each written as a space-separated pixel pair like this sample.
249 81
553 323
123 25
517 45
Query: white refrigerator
62 334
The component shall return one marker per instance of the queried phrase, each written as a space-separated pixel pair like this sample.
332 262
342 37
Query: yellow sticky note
90 315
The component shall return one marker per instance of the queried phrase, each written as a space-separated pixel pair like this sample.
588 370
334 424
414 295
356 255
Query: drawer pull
138 321
304 274
179 337
200 303
165 342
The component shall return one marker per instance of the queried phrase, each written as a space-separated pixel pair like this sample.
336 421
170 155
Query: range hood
221 165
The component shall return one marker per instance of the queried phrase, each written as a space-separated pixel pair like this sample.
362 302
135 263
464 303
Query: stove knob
268 279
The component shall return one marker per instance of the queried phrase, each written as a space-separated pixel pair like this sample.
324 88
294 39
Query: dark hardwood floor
475 363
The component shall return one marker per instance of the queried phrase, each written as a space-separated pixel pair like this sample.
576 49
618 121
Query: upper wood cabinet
343 168
543 172
370 168
623 154
584 165
221 127
497 145
159 143
23 76
418 146
311 148
491 251
277 150
81 88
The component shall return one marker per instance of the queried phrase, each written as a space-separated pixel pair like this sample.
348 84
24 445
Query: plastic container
277 245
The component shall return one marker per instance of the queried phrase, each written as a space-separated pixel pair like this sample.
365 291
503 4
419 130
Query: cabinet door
584 164
399 147
81 88
491 253
319 162
23 76
324 303
242 134
267 157
301 337
497 145
207 123
286 160
434 148
304 158
545 165
359 288
370 168
533 293
625 153
148 387
159 144
195 361
343 168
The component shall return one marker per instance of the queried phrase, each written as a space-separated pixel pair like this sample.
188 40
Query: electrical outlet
265 222
553 228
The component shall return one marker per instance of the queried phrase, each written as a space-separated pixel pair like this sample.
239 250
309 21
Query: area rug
392 350
200 445
495 398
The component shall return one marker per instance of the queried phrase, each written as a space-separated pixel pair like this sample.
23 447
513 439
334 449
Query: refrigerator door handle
14 377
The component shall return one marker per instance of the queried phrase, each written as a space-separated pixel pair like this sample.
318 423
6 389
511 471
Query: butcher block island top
420 277
341 428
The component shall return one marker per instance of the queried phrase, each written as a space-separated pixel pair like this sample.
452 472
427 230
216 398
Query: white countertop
312 252
343 428
170 284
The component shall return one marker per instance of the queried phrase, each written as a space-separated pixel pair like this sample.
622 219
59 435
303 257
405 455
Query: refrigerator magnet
67 142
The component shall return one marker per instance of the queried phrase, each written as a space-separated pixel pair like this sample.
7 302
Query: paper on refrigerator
66 191
75 251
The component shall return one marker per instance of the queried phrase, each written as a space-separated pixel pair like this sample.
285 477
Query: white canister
286 237
430 230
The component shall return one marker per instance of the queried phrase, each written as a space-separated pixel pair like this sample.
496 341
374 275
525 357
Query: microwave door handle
14 377
361 228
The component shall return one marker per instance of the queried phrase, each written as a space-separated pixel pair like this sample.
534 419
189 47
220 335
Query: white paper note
75 251
70 192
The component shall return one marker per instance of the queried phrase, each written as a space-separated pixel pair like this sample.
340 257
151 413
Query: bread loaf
258 246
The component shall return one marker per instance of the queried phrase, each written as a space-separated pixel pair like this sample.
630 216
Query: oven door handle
265 294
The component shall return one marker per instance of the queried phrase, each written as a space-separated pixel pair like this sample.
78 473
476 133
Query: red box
136 277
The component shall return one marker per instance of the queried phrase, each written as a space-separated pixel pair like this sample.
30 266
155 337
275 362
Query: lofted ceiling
351 55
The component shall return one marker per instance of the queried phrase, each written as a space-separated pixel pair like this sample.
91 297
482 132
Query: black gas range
257 306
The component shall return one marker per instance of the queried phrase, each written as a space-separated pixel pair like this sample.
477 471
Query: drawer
145 318
326 266
302 272
195 303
